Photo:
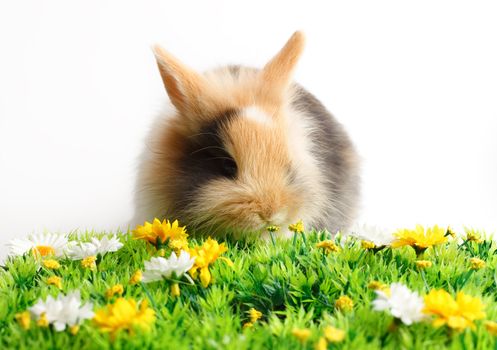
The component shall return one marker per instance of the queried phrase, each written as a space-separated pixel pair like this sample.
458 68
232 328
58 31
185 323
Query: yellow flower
161 252
273 228
457 313
450 232
301 334
248 325
51 264
89 262
42 321
473 236
367 245
423 264
419 239
344 303
174 234
124 314
136 277
115 289
328 246
477 263
205 256
178 244
298 227
322 344
491 327
74 329
254 315
334 335
55 281
175 292
377 285
24 319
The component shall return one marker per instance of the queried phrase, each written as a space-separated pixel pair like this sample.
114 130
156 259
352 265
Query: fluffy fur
245 148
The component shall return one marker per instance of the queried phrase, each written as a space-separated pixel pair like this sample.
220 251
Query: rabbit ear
185 87
277 73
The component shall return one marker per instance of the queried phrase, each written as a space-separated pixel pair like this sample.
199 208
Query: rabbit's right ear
186 88
276 75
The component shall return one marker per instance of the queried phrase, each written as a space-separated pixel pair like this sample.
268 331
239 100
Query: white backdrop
414 83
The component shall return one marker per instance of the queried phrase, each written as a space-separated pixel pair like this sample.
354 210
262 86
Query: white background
414 83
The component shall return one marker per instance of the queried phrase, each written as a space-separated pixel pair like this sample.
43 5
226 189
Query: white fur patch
258 115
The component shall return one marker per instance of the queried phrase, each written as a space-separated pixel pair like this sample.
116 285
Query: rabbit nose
266 215
272 216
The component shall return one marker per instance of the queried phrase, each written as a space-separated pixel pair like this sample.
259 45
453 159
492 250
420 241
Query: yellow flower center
44 250
89 262
42 321
74 329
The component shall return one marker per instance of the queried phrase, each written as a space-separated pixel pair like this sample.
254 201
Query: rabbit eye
228 168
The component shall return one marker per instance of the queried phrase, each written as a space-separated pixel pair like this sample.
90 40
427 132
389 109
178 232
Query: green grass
292 285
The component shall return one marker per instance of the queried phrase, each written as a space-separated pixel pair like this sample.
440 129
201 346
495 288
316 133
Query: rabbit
243 148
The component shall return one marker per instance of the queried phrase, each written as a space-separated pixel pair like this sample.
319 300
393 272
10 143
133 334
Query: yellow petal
205 276
226 260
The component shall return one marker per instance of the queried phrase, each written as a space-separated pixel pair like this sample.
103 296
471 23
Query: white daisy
401 302
97 246
107 245
159 268
63 311
42 244
379 236
81 250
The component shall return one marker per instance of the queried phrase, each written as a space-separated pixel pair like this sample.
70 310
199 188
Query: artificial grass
293 284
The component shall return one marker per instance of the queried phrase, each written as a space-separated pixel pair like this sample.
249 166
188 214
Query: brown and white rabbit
244 149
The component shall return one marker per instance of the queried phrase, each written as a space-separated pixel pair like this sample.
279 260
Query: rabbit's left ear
276 75
188 90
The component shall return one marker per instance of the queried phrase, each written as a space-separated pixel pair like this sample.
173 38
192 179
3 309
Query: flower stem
424 280
152 300
272 238
304 239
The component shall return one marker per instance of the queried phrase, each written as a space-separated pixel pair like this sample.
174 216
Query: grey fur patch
338 161
234 70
